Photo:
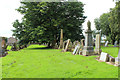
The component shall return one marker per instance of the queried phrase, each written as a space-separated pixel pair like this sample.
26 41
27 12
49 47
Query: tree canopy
109 23
42 22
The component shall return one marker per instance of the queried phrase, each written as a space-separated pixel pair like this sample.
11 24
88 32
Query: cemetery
46 51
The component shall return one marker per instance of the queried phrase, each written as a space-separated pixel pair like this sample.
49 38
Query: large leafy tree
109 23
115 22
42 21
102 24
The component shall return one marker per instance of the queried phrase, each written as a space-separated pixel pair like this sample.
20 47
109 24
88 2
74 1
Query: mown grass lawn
40 62
113 51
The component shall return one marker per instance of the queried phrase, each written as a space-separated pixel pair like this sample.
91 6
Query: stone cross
61 40
98 44
115 44
88 48
106 44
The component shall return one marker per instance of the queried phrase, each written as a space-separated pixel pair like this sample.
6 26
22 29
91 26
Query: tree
42 22
115 22
109 23
103 24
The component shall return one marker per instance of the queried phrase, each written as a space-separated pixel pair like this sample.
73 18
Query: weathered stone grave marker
106 44
75 43
74 52
67 45
98 44
56 46
111 59
14 47
61 40
117 59
115 44
0 46
83 42
11 41
88 48
104 57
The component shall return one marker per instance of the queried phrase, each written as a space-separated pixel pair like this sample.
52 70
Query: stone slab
104 57
106 44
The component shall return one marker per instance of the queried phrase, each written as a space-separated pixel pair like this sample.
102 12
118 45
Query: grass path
38 62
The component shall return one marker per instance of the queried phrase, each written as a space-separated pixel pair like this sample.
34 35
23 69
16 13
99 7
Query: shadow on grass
42 48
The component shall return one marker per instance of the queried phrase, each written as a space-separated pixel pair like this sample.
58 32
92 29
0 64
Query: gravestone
98 44
67 46
11 41
117 59
0 46
111 59
76 50
115 44
56 46
88 48
14 47
61 40
106 44
119 43
3 47
75 43
83 42
104 57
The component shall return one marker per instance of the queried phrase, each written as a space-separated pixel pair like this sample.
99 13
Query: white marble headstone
115 44
104 57
106 44
75 49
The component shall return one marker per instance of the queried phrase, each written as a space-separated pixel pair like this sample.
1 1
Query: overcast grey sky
93 9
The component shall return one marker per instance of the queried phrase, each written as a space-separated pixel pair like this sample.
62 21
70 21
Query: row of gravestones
105 57
3 47
79 49
115 44
68 45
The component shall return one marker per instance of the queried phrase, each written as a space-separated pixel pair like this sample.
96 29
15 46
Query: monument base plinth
98 51
88 50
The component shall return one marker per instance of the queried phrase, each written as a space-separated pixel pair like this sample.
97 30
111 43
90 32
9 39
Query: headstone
104 57
61 40
75 43
56 46
88 48
106 44
119 43
0 46
14 47
11 41
83 42
115 44
74 52
111 59
98 44
117 59
67 45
